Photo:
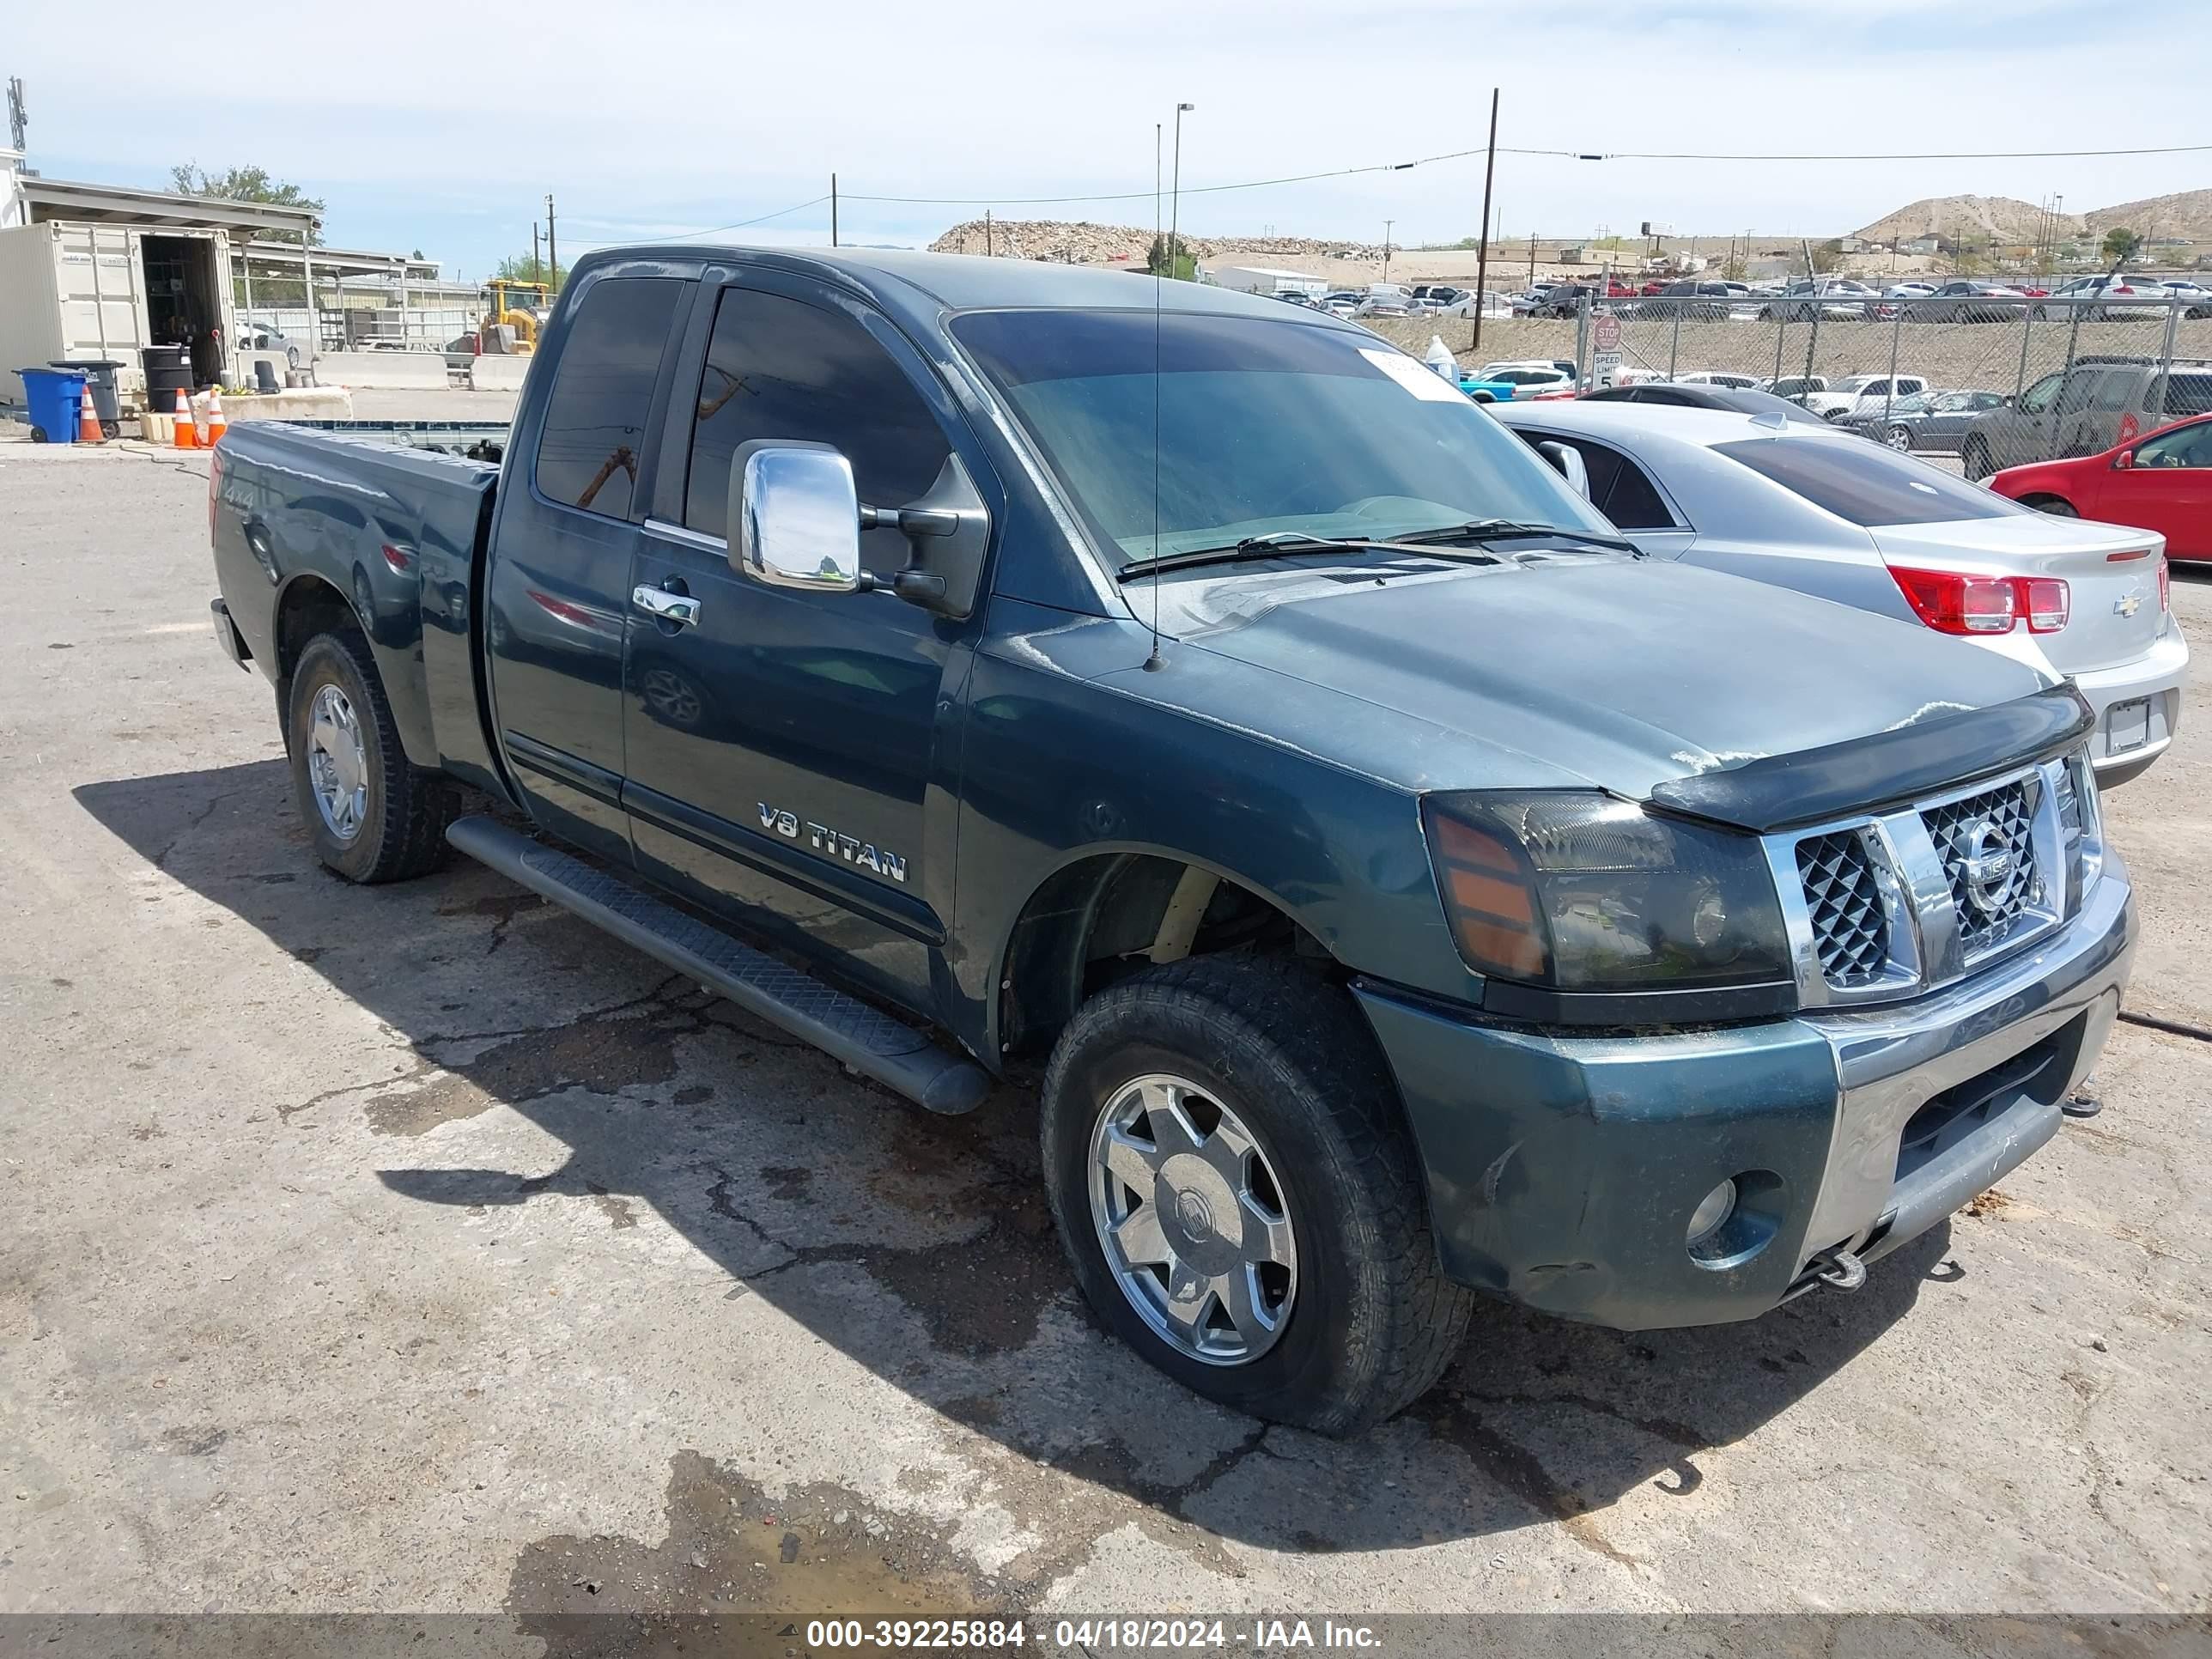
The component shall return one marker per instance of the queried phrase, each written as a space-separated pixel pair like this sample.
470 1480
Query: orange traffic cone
186 437
88 422
216 425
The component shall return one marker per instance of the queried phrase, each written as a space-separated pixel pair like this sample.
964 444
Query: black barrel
168 371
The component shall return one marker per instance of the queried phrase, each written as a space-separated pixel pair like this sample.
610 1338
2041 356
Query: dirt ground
419 1249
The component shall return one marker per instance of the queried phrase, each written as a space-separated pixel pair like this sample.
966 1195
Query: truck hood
1621 673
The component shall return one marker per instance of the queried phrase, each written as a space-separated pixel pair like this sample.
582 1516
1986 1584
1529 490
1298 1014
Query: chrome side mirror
1571 467
794 516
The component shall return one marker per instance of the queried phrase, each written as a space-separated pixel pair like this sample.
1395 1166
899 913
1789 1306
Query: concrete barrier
314 402
396 369
497 371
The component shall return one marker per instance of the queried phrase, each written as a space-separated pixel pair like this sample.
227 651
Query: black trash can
168 371
100 386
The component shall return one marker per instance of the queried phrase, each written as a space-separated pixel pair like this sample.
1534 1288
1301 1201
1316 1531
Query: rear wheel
374 816
1239 1197
1899 437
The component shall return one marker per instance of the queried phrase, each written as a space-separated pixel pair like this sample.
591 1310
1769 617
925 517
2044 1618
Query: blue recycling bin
57 399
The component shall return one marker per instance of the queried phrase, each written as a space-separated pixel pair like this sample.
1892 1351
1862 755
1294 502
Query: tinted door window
2076 393
2037 397
779 368
1866 484
2112 393
602 396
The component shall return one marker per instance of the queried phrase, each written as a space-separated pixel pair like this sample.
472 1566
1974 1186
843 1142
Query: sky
661 118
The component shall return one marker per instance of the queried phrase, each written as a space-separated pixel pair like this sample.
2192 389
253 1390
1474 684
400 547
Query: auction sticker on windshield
1422 381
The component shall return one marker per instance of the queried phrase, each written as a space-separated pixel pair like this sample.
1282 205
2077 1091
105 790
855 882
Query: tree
1828 256
2121 244
247 185
1185 266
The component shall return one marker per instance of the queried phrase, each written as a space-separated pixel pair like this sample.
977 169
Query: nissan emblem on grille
1989 867
1989 859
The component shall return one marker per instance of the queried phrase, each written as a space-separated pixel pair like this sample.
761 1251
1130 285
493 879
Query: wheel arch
311 603
1105 911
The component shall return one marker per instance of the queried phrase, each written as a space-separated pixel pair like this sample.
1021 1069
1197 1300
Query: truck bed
394 515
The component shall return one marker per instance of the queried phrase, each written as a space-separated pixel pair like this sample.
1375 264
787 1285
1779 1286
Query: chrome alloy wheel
1192 1220
337 764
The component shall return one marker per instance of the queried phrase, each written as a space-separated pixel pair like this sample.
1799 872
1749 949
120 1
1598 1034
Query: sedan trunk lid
2110 574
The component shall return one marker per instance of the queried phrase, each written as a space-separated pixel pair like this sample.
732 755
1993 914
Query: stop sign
1605 334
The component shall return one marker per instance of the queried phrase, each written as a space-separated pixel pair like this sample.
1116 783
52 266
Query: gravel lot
421 1250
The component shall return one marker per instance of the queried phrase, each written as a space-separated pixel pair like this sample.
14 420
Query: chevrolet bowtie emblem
2127 604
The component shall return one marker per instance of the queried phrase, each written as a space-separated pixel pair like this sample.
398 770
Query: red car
2160 482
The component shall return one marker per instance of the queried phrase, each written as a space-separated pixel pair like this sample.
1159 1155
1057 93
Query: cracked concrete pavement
421 1248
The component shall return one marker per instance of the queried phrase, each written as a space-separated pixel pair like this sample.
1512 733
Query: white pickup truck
1862 394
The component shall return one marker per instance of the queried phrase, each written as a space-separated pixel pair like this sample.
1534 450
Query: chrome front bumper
2007 1045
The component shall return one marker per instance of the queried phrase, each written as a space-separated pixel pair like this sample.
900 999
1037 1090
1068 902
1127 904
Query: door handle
681 609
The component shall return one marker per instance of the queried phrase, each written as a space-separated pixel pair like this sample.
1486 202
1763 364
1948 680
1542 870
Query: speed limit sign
1605 334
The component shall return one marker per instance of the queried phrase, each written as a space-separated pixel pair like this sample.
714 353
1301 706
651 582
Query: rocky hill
2186 213
1999 218
1085 243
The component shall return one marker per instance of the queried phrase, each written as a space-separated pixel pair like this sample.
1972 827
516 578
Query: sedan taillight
2165 585
1955 602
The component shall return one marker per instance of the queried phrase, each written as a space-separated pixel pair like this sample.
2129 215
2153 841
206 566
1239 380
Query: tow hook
1841 1269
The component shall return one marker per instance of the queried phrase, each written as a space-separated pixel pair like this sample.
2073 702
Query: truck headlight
2080 827
1578 892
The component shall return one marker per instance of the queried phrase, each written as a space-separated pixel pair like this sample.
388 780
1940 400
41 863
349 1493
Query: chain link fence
1996 380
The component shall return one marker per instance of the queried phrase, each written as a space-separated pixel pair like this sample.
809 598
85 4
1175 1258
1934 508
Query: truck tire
1280 1262
374 816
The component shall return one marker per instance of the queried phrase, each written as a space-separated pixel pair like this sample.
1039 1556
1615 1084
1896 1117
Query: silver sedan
1827 514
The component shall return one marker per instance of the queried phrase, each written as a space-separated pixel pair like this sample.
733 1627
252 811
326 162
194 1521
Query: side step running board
872 1043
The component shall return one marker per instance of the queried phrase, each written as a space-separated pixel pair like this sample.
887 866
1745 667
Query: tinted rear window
1865 483
602 393
2189 394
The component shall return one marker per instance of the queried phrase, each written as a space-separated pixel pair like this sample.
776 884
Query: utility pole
1482 251
1387 223
534 268
1175 198
987 254
1159 178
552 248
833 210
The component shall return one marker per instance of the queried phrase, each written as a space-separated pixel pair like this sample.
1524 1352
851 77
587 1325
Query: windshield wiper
1506 530
1275 544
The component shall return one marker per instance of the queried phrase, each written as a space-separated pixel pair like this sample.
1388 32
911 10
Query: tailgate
2110 574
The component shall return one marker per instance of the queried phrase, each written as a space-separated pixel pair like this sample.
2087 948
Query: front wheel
373 815
1899 437
1240 1199
1974 460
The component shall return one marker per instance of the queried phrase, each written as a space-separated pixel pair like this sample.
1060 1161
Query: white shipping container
78 292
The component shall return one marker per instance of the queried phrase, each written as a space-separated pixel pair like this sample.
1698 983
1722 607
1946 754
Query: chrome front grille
1888 905
1986 842
1851 927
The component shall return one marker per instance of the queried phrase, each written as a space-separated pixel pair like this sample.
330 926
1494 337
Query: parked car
1908 290
263 336
1709 302
2107 299
2195 295
1529 377
1719 377
1966 303
1488 898
1862 394
1342 302
1823 512
1563 299
1839 298
1926 420
1676 394
2162 481
1437 296
2100 402
1795 388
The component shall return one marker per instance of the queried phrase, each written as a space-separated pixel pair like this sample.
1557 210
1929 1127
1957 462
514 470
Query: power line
1456 155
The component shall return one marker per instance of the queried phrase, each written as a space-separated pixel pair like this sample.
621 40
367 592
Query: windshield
1263 426
1852 383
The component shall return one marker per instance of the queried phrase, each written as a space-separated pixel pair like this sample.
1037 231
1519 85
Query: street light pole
1387 223
1175 198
